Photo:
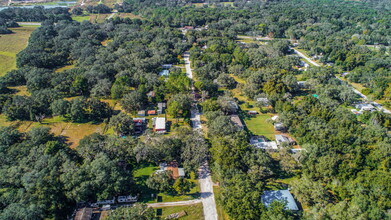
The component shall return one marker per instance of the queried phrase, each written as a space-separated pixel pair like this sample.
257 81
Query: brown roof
173 166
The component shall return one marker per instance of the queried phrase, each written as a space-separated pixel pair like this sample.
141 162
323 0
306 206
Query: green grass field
73 132
192 211
260 125
81 18
11 44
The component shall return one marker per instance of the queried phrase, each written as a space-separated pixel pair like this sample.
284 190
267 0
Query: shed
279 195
151 112
274 118
279 126
161 107
181 172
141 113
252 112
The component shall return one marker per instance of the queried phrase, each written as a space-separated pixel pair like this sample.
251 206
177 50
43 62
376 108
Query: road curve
377 105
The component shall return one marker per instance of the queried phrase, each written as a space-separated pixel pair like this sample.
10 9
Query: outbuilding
285 196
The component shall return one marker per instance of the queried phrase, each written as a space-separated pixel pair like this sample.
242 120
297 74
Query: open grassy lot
192 211
142 173
10 45
81 18
73 132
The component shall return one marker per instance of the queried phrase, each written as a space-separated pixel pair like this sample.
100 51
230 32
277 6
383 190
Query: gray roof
281 138
280 195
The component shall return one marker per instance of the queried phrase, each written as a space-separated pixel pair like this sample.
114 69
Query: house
141 113
260 142
176 172
151 112
236 120
164 73
159 125
279 126
139 125
365 107
283 139
263 101
125 199
106 202
161 107
279 195
83 214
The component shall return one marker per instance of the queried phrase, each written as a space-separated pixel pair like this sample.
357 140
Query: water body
54 5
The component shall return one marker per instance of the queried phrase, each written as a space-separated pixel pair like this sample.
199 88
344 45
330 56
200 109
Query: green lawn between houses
142 173
193 212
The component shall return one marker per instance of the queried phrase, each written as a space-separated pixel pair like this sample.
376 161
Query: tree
182 185
60 107
133 101
137 211
179 105
160 181
77 110
122 124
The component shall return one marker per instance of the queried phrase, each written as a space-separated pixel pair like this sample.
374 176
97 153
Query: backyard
141 175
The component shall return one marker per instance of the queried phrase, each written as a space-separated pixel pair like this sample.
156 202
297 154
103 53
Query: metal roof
280 195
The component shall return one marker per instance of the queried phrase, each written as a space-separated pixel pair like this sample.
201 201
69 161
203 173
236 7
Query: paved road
377 105
168 204
206 183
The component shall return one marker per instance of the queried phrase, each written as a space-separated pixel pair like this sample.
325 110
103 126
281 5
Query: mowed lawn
261 125
11 44
192 211
141 175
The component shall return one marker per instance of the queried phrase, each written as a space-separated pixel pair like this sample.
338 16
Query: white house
125 199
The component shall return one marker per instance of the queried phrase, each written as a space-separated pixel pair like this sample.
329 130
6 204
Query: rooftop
280 195
160 123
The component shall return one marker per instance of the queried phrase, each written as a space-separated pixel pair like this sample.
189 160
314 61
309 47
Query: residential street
205 179
377 105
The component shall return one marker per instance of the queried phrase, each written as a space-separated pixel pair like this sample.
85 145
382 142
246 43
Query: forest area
111 71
